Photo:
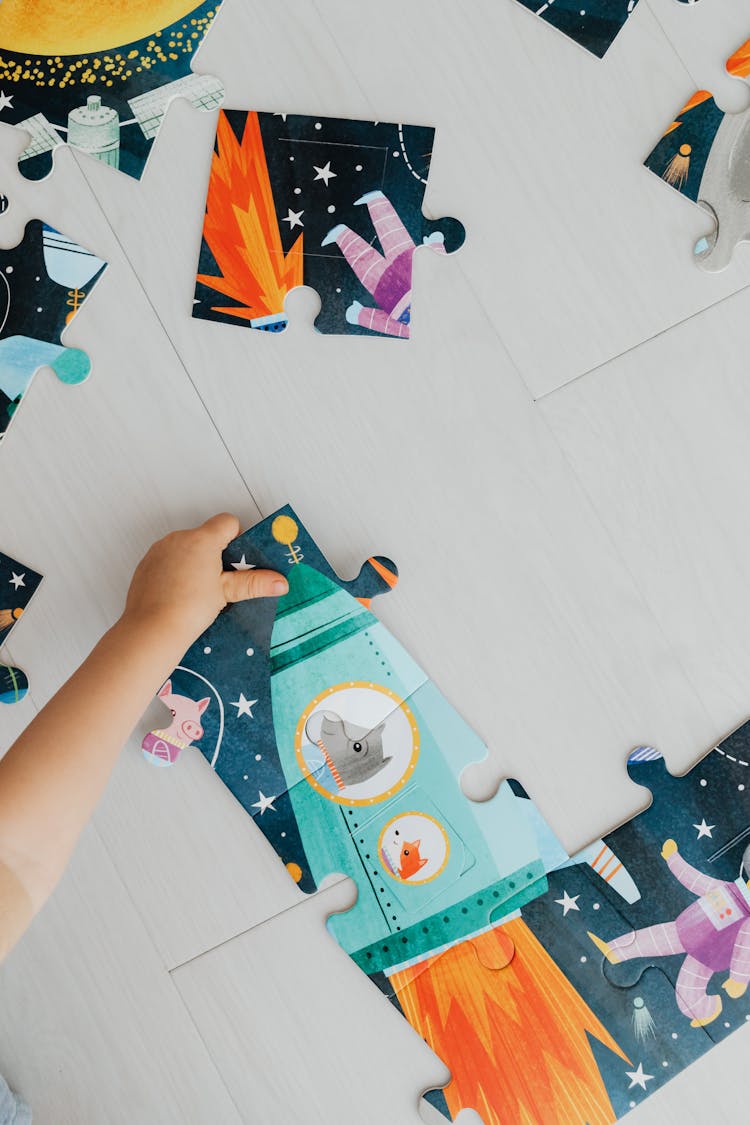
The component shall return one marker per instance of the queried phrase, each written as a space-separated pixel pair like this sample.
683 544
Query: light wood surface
573 569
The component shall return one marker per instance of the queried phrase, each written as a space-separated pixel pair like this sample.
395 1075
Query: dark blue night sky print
698 129
594 24
14 594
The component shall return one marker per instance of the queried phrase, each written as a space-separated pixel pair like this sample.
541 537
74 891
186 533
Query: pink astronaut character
163 747
713 934
386 276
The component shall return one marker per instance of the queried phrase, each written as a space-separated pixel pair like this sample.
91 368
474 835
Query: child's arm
53 775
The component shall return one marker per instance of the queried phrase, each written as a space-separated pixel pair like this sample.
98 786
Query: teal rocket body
431 866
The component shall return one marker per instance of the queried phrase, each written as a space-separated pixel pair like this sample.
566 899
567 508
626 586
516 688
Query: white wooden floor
575 402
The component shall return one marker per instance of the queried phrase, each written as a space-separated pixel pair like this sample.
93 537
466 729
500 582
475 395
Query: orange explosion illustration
516 1039
242 230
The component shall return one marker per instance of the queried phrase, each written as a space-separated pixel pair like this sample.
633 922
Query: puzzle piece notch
704 154
351 194
18 584
83 85
45 280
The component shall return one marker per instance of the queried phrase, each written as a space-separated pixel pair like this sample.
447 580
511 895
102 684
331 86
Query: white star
294 218
17 579
243 564
283 116
704 829
243 706
264 803
568 903
325 174
6 101
638 1078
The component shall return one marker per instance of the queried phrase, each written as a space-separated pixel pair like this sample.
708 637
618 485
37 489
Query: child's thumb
239 585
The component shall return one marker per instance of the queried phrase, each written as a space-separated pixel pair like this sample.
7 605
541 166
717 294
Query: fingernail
279 587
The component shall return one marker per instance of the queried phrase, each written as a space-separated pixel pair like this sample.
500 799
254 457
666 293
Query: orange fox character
410 861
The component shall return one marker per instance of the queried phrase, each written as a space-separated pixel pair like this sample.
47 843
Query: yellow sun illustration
54 28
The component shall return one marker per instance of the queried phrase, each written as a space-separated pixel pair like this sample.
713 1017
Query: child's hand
180 586
668 849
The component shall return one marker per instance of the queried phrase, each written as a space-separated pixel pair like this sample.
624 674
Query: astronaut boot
708 1019
368 197
352 313
333 234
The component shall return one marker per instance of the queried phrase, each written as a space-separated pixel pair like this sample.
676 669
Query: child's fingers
239 585
224 527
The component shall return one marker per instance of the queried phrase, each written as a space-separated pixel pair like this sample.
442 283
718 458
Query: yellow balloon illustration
284 530
48 27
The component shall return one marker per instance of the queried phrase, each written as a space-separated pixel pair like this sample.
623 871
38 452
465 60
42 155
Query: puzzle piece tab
18 584
43 283
99 80
705 155
327 202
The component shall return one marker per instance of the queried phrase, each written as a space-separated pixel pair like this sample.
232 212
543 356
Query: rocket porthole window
357 743
414 848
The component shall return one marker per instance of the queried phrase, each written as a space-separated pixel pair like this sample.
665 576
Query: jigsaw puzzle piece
690 848
331 203
354 755
482 1020
638 1010
445 868
627 1035
256 690
18 584
594 25
43 283
705 155
100 84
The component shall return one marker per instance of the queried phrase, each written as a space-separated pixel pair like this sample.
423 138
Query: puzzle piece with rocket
470 916
44 280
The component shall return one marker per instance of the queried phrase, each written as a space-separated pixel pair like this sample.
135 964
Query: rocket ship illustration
369 755
357 756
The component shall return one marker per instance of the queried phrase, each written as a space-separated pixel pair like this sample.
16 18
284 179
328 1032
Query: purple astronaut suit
386 276
714 933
